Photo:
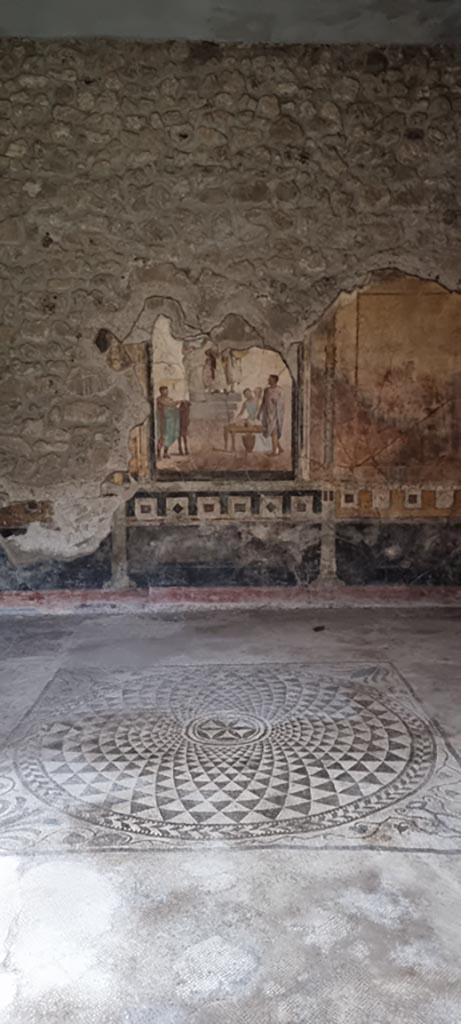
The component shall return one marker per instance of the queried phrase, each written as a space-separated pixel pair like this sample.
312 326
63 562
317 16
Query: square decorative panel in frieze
146 509
381 499
238 506
412 497
209 508
301 505
177 508
271 506
349 498
444 497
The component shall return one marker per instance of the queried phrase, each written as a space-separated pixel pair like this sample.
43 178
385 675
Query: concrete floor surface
325 928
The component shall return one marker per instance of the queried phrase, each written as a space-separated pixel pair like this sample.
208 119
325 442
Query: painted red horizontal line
315 595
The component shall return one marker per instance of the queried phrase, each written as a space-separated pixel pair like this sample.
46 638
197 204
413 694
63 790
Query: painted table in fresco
248 432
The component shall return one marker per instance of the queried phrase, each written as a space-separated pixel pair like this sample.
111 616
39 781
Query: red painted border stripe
281 596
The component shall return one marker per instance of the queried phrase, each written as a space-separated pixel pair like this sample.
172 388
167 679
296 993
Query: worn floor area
231 817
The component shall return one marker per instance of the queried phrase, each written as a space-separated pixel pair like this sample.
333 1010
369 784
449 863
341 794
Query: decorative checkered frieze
378 501
218 507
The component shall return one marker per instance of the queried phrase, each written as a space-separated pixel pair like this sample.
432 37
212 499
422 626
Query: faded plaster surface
235 190
275 936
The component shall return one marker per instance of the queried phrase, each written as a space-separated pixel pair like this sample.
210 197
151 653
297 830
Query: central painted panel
220 409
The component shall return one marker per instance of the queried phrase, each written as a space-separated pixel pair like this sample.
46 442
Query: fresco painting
379 397
349 467
387 363
220 409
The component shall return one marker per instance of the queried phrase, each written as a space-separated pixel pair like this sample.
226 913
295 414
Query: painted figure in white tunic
271 412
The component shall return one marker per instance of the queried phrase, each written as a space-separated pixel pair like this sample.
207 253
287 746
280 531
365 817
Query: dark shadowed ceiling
279 21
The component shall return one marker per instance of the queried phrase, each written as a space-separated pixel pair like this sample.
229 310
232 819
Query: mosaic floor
240 754
231 816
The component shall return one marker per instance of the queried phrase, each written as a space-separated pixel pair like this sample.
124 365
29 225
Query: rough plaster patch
79 527
324 928
214 967
382 907
420 954
213 874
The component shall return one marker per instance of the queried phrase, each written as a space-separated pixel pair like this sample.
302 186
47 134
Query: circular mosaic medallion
226 728
240 755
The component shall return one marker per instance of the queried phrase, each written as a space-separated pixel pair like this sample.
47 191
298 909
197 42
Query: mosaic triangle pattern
223 753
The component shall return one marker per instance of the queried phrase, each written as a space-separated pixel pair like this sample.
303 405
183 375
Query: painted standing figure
271 413
184 418
167 422
228 367
209 370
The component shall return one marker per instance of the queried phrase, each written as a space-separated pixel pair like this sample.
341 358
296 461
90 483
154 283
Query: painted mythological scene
218 408
395 350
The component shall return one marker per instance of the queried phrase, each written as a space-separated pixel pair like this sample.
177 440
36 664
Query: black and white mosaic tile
245 754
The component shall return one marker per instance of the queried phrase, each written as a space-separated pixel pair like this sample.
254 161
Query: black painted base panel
229 556
367 553
421 553
91 572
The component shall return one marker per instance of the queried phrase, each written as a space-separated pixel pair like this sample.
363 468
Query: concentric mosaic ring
229 756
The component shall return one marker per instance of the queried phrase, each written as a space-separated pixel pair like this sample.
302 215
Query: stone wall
236 191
